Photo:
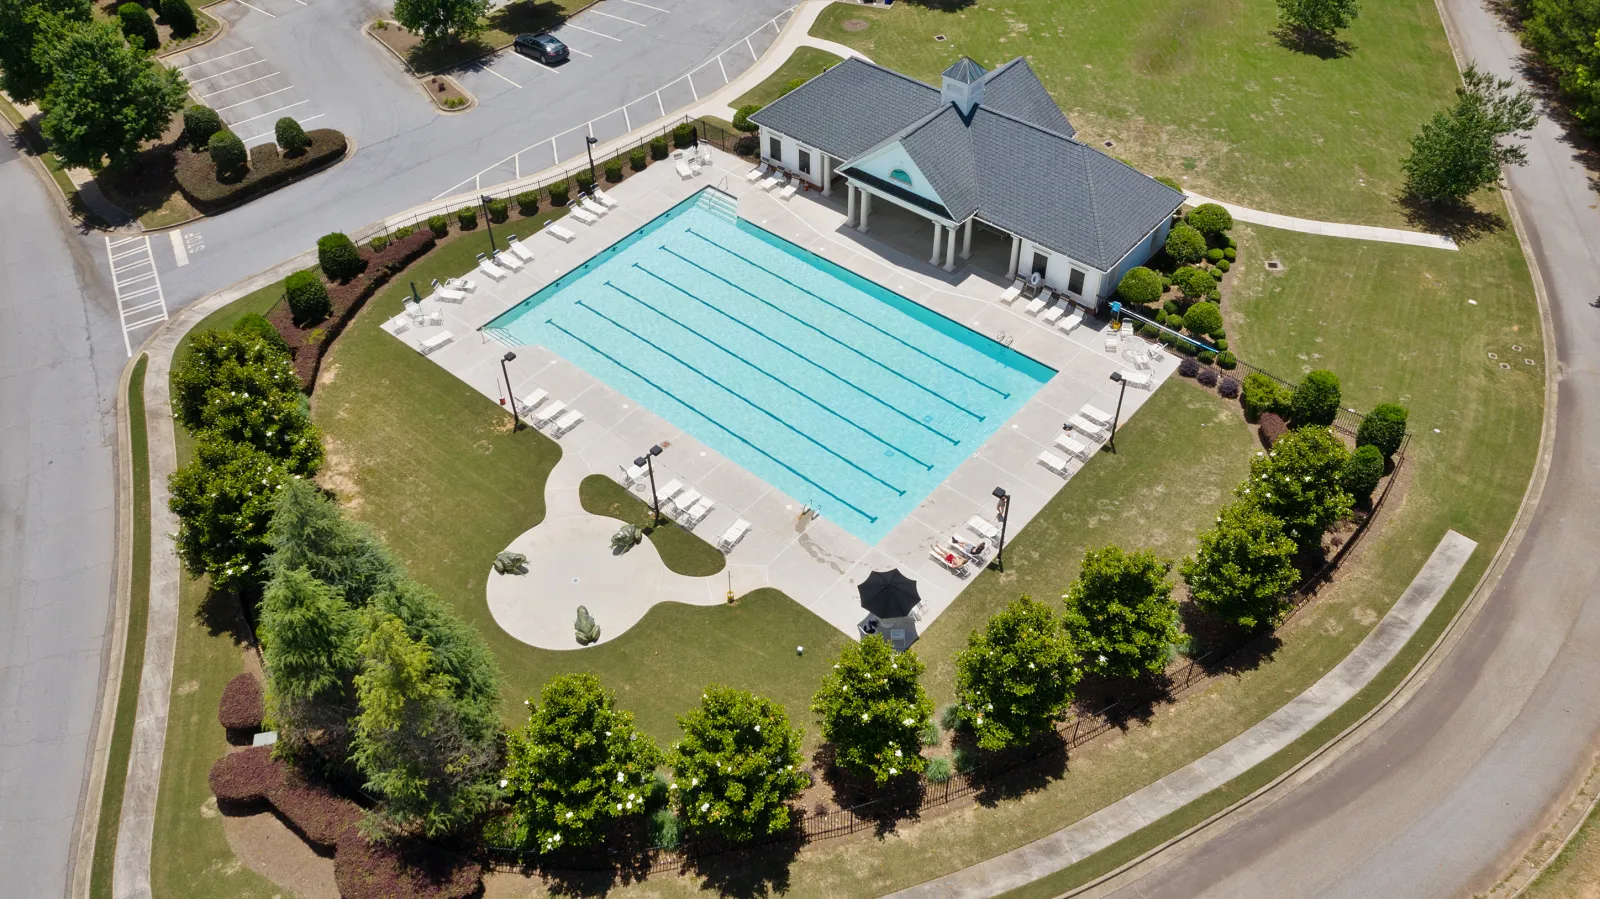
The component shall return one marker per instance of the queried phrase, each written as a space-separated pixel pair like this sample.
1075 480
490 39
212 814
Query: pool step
500 335
721 205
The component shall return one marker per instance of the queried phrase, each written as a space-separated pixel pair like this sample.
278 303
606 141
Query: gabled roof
850 108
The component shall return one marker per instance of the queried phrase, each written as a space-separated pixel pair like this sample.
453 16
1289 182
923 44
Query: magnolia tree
872 707
224 499
1243 570
220 365
1014 680
1301 482
737 766
578 764
1121 612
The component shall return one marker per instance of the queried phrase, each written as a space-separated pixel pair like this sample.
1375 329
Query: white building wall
790 160
1137 256
1058 273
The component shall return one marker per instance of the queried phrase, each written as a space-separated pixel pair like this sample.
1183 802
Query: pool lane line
811 362
737 395
923 387
696 410
781 382
753 264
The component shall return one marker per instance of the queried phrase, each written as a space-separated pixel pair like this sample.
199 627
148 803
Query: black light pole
1002 511
484 202
1112 440
588 144
647 462
516 420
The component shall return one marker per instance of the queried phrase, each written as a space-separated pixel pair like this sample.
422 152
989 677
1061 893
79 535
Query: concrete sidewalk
1132 813
1327 229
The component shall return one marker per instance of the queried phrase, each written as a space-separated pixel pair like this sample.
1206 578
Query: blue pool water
835 390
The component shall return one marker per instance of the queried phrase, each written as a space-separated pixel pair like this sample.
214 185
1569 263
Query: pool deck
815 561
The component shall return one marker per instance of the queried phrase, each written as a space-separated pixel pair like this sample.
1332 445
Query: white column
938 230
1016 253
850 205
827 175
866 209
950 250
966 241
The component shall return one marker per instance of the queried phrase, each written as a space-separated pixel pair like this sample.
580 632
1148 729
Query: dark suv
544 47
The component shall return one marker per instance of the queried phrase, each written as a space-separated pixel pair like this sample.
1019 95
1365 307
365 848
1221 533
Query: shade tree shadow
752 873
225 612
1462 222
884 806
1313 43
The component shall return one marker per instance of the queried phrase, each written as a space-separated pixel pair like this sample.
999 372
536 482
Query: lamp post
1002 511
1117 417
647 461
588 145
484 202
516 420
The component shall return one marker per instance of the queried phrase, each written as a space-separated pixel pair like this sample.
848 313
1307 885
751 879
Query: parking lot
248 88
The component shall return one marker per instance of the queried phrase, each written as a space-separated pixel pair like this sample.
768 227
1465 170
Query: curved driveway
1442 798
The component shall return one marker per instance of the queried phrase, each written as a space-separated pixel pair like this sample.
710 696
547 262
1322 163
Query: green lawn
1202 90
681 551
1575 873
805 62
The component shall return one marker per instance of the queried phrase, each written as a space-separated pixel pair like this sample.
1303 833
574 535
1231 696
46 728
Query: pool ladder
1004 339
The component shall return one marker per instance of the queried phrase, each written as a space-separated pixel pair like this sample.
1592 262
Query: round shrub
1203 318
1185 245
290 136
1207 377
257 324
1170 182
377 243
1316 400
1221 342
1210 219
1223 265
1384 427
1188 368
337 255
1226 359
1207 357
1170 307
248 776
684 135
1166 338
467 217
1362 472
1174 321
741 118
1196 283
499 210
179 16
528 202
1185 347
1262 394
1271 429
1233 244
308 297
747 145
613 170
199 123
1230 254
241 706
138 27
403 232
658 147
1139 286
1213 255
560 192
585 181
228 155
638 158
1228 389
793 83
1148 330
439 225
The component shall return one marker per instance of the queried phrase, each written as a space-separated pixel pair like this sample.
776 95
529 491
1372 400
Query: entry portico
987 150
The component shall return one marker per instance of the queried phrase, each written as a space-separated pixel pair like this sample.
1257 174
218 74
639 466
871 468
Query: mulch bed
242 707
269 170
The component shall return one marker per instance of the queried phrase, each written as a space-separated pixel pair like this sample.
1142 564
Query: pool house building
989 151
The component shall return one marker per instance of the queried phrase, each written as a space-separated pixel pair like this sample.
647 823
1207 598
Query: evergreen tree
308 531
457 648
309 645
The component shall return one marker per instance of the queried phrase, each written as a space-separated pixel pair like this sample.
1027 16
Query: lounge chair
1053 462
1054 313
1045 298
426 347
1070 323
949 557
1073 447
507 259
665 494
681 163
604 199
632 473
1087 428
1113 341
449 295
487 266
560 233
1139 379
547 413
567 422
772 180
1095 414
757 173
784 193
705 154
1141 359
520 249
698 513
465 285
593 207
731 537
1010 294
1156 352
983 528
686 499
582 215
527 404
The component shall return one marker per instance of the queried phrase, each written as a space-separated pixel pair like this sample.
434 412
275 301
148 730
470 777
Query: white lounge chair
1095 414
582 215
1140 379
784 193
567 422
426 347
731 537
631 474
1053 462
705 154
1070 322
681 163
527 404
686 500
1087 428
1113 341
1054 313
449 295
545 414
520 249
1045 298
506 259
757 173
1141 359
560 233
465 285
698 513
949 558
665 494
593 207
487 266
1010 294
773 180
983 528
1073 447
604 199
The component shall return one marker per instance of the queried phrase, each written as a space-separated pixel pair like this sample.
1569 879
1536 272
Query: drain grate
1274 265
1110 143
940 37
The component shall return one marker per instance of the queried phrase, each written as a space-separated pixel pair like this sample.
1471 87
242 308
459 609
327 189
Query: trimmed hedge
638 158
439 225
585 179
684 135
499 210
741 118
1384 427
467 217
199 123
1316 400
250 775
257 324
560 192
1140 286
1226 359
308 296
1262 395
138 27
659 148
614 170
1272 428
179 16
269 170
1362 471
1207 377
290 137
228 156
1185 245
1188 368
1228 389
528 203
1210 219
338 257
242 706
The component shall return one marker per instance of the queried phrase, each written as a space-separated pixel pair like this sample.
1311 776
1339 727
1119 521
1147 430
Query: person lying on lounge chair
973 552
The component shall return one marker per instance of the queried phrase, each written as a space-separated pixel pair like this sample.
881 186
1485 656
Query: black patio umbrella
889 594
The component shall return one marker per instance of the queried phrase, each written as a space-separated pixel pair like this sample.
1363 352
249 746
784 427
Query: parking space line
237 86
587 31
647 6
580 52
258 97
270 135
723 68
215 58
265 114
194 81
618 18
537 62
502 77
257 9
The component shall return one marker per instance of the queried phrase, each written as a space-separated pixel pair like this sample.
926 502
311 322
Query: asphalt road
60 356
1442 798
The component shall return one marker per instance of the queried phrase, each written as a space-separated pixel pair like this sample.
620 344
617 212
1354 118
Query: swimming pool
839 392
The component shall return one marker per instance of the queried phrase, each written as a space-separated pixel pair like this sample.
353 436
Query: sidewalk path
796 34
1329 229
1128 815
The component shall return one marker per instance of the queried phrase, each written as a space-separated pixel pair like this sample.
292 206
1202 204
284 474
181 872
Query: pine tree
309 642
309 532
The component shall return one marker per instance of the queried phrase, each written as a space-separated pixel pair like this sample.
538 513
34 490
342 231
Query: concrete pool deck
813 560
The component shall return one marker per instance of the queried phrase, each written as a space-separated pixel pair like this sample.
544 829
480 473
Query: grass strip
681 551
804 63
105 844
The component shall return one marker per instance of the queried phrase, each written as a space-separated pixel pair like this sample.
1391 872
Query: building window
774 149
805 162
1041 263
1075 282
901 175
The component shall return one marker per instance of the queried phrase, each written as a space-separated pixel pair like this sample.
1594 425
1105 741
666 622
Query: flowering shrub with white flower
872 709
1301 482
737 766
1015 678
1121 610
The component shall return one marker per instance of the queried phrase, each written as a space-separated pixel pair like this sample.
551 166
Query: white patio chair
1095 414
560 233
520 249
949 558
773 180
1054 313
398 325
465 285
698 513
1053 462
546 413
757 173
1045 298
632 473
566 422
1140 379
983 528
604 199
593 207
731 537
1113 341
665 494
449 294
680 163
1010 294
527 404
426 347
1089 429
683 501
705 154
487 266
784 193
1073 447
582 215
1071 322
506 259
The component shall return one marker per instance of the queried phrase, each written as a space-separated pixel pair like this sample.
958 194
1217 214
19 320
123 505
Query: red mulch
1272 427
400 870
251 775
242 706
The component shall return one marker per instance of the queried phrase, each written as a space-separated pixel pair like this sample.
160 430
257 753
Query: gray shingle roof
850 108
1015 89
